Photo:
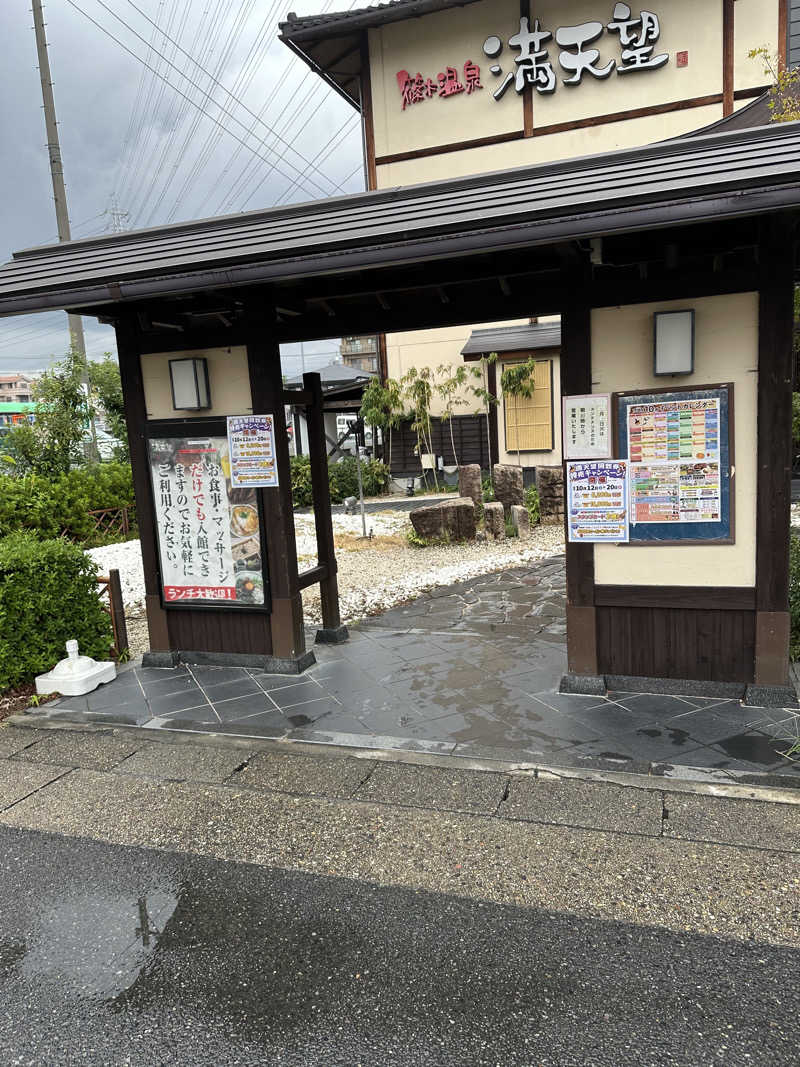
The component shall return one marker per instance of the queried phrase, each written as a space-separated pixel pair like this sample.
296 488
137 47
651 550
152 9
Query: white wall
726 351
228 381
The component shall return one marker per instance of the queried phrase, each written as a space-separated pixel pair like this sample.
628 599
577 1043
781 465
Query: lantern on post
673 345
189 381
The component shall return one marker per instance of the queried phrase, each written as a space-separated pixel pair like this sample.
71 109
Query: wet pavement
117 955
471 670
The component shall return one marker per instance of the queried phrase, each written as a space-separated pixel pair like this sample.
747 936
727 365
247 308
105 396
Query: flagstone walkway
470 669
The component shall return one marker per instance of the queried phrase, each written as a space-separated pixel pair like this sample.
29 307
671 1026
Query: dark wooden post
130 371
774 487
266 387
332 631
576 378
117 604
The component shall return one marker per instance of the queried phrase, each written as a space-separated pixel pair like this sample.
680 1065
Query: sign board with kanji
251 440
209 532
586 426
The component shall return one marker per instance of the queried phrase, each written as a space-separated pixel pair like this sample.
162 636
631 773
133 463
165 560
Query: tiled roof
721 175
363 18
513 339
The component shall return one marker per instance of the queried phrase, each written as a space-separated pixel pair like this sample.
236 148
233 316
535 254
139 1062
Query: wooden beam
783 33
130 370
367 116
266 388
527 92
320 486
576 378
774 489
728 19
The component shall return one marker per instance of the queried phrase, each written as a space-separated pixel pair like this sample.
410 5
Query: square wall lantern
189 380
673 342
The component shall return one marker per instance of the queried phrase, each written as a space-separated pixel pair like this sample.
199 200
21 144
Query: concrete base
333 637
270 664
583 685
685 687
770 696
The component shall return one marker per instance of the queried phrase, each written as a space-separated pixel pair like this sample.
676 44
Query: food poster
587 426
209 533
597 501
251 440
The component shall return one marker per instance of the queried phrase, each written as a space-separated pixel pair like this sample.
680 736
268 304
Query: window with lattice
529 420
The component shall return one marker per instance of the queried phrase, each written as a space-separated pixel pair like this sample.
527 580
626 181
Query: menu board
597 501
586 423
678 448
251 440
209 533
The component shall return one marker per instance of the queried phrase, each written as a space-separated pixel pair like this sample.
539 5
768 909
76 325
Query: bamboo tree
418 390
480 390
517 381
449 389
382 406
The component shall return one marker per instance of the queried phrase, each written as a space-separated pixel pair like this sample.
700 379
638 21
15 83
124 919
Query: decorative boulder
453 519
521 521
494 519
550 484
470 482
508 486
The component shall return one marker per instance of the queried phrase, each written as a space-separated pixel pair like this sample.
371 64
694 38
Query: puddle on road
94 942
752 747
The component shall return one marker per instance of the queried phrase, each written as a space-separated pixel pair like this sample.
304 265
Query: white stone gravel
371 578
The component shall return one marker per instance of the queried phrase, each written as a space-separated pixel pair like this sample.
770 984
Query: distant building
360 353
16 388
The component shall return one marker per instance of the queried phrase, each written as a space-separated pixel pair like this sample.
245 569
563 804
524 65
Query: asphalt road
113 955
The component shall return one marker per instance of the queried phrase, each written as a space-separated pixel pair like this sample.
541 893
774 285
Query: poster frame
643 396
208 427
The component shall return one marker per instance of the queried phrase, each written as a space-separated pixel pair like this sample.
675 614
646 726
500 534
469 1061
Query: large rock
521 521
550 484
494 519
470 482
508 486
453 518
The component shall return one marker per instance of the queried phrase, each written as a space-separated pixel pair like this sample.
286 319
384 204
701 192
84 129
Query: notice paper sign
597 501
251 441
587 426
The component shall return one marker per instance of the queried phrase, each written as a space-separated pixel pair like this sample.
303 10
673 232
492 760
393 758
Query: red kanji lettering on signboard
449 84
472 76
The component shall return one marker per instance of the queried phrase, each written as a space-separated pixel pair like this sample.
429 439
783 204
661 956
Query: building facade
448 89
16 388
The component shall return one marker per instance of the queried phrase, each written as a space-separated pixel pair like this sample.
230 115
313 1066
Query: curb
674 778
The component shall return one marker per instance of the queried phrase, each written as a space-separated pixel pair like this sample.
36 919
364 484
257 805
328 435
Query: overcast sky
136 153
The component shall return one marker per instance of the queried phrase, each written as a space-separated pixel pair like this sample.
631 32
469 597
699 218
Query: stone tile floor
470 669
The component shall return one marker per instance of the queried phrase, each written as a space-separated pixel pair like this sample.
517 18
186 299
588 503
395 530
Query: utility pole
59 192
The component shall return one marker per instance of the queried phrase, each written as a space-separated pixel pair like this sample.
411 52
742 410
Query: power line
194 84
154 174
254 59
192 102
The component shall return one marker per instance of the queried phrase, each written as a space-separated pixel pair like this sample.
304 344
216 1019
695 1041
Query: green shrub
794 595
51 506
302 496
511 530
488 491
532 504
342 477
48 595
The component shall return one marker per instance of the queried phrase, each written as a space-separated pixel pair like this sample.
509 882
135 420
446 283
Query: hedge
342 477
794 595
50 507
48 595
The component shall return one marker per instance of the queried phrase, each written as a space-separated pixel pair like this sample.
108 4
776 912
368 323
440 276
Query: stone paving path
471 670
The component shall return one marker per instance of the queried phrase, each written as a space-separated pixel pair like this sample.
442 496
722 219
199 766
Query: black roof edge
320 71
337 24
684 144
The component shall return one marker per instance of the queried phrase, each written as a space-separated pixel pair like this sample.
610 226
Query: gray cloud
96 86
